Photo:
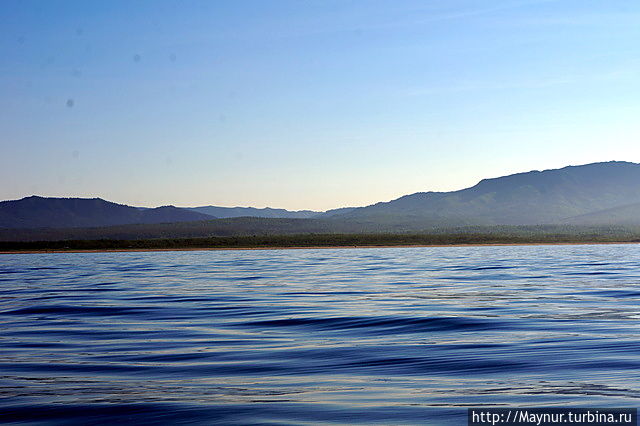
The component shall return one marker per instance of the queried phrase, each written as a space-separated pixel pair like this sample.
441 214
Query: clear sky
308 104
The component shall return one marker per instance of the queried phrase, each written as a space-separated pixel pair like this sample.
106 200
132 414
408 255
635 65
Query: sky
308 104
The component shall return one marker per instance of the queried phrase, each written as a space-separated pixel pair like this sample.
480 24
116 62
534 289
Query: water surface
378 335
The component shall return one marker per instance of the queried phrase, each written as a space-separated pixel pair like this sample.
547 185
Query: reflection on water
384 335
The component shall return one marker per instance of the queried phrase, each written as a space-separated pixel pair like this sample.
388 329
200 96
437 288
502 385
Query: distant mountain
41 212
547 197
229 212
600 194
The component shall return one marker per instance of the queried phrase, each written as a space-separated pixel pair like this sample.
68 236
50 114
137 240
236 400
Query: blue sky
308 104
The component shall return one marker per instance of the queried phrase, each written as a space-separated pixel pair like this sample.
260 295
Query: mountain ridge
528 198
61 212
603 193
267 212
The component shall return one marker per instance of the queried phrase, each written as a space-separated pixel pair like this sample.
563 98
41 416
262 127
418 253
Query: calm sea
338 336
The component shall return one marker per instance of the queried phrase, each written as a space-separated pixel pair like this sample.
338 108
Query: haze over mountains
592 194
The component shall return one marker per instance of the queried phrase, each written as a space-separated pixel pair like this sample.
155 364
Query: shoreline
124 250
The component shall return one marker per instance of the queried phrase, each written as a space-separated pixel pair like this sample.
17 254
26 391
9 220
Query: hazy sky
308 104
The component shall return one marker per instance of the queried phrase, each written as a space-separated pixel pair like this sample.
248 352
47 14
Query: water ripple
380 336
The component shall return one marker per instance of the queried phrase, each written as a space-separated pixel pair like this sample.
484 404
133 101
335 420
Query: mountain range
602 193
593 194
48 212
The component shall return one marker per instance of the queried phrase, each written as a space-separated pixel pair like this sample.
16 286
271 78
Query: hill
41 212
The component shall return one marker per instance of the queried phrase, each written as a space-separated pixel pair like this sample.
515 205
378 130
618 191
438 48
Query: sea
390 336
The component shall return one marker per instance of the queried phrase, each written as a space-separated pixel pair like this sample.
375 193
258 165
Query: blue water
338 336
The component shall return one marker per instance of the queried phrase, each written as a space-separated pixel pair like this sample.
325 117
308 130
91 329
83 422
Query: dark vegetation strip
321 240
